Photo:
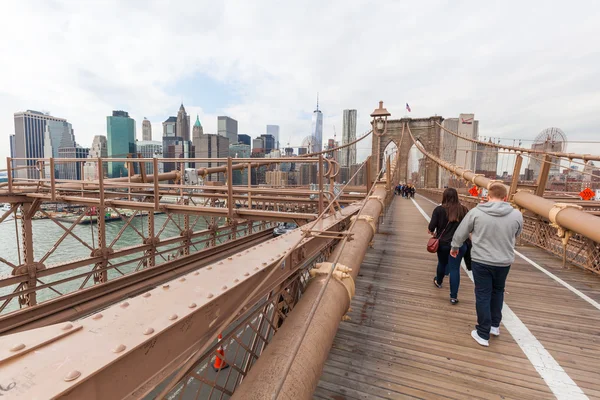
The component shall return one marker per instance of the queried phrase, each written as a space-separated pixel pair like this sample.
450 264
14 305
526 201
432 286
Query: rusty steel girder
127 349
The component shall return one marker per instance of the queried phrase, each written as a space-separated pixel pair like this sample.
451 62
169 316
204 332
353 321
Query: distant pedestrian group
484 238
406 190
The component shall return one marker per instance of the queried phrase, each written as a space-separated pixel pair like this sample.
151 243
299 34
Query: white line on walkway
559 382
550 274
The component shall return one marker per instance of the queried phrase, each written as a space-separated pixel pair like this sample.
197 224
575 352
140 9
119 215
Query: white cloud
519 66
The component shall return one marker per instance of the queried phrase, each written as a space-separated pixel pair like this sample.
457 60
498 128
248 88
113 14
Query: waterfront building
120 133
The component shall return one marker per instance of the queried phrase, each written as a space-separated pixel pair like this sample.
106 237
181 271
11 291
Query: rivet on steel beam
148 331
71 376
272 259
230 258
192 305
209 267
97 316
224 287
209 295
147 294
256 268
124 304
196 273
165 287
119 348
264 264
17 347
239 255
260 245
246 273
182 280
254 248
173 317
236 280
67 326
220 263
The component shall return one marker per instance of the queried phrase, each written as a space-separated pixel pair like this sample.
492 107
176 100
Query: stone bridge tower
424 130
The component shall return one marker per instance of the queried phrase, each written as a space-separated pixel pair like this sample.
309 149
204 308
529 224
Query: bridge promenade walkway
405 339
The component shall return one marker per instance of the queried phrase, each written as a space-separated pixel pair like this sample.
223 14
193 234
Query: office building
98 150
458 151
486 160
146 130
348 154
228 127
273 130
28 140
197 130
245 139
120 134
239 150
268 142
149 149
316 129
72 170
182 128
258 145
170 127
212 146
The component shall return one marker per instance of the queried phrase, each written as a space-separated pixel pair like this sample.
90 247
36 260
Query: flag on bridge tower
407 107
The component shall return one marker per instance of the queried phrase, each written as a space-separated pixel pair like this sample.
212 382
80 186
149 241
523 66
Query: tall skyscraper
245 139
228 127
458 151
72 170
212 146
316 129
348 154
99 149
197 130
183 124
268 142
239 150
146 130
486 160
120 133
170 127
28 141
274 130
149 149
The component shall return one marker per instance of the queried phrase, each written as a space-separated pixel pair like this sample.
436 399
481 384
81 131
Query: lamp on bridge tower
380 119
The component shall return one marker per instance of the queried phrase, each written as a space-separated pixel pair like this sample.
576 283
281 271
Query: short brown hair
497 190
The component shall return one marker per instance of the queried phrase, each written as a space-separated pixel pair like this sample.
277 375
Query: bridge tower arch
423 129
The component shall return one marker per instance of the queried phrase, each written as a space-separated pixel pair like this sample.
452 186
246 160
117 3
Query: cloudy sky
520 66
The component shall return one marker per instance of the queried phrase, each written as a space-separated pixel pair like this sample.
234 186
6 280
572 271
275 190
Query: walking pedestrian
494 227
444 221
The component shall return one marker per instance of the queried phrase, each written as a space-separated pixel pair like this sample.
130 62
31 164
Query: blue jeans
448 265
489 296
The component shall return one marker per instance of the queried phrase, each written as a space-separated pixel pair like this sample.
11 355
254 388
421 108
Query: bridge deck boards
405 340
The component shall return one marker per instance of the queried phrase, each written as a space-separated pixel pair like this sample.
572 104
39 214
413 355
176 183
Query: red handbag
434 242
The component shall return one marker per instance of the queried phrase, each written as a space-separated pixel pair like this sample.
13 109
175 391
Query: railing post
155 181
543 178
29 299
229 188
151 240
52 180
102 276
515 178
9 172
320 178
249 186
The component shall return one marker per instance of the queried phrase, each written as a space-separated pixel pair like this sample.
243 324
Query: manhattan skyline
518 79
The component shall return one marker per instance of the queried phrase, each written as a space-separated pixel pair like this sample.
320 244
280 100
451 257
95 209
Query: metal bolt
224 287
230 258
148 331
182 280
272 259
196 273
17 347
209 267
246 273
124 304
192 305
236 280
264 264
97 316
220 263
256 268
173 317
119 348
239 255
147 294
71 376
165 287
209 295
67 326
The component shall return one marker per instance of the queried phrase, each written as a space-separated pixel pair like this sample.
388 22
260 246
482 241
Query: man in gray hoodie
493 226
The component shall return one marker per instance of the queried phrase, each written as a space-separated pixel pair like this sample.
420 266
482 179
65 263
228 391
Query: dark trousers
489 296
448 265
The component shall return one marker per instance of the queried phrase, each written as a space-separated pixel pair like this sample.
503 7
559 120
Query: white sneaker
495 330
479 339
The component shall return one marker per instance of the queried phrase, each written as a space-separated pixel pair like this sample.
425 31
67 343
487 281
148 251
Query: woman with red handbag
444 221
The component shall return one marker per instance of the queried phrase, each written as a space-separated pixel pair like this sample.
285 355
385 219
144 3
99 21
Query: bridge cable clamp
368 219
340 273
561 232
379 199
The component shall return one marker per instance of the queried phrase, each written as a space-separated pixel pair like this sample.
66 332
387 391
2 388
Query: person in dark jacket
444 221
